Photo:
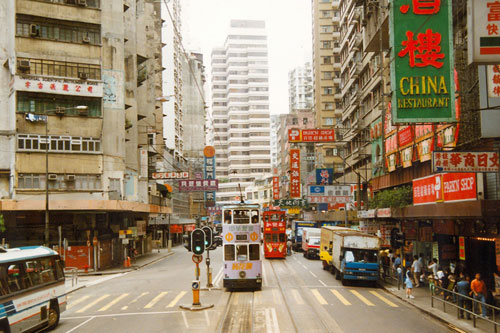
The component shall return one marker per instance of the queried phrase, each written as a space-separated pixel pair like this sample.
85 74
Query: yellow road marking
92 303
340 297
362 298
72 304
176 299
110 304
383 299
257 296
318 296
297 296
155 300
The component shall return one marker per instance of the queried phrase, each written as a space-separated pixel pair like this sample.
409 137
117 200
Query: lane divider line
185 319
340 297
88 306
77 327
318 296
176 299
313 274
324 284
110 304
155 300
362 298
383 299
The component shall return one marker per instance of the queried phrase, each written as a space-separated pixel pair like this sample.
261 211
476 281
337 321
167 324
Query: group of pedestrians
476 289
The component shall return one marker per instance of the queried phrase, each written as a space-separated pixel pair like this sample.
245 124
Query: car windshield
365 256
314 241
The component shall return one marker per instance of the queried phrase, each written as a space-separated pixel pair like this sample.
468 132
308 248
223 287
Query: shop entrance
480 258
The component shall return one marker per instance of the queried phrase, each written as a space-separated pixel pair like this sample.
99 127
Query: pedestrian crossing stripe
382 298
318 296
155 300
110 304
176 299
297 297
362 298
91 304
72 304
340 297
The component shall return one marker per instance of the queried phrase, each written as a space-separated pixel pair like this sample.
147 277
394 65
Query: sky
205 24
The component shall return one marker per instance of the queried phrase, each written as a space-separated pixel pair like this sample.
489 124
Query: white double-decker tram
241 231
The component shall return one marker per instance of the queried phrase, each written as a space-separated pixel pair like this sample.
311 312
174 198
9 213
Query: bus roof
25 252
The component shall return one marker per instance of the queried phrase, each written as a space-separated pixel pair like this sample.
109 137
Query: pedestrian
416 268
433 268
399 274
289 247
463 289
478 288
397 261
409 285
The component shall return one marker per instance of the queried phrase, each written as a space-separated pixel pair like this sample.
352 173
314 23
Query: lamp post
47 143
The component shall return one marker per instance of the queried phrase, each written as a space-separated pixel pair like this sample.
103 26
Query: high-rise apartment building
300 88
77 90
240 108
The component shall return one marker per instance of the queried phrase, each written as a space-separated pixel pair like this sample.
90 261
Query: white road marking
135 300
70 305
110 304
76 327
264 276
155 300
318 296
324 284
207 318
276 296
313 274
257 296
304 266
218 277
185 319
297 297
104 279
123 314
88 306
176 299
276 327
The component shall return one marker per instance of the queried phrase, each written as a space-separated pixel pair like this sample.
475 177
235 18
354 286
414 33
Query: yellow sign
229 236
254 236
209 151
293 211
242 266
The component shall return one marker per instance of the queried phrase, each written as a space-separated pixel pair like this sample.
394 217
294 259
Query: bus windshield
356 255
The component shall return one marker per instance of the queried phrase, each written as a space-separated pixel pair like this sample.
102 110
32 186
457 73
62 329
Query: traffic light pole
195 287
209 271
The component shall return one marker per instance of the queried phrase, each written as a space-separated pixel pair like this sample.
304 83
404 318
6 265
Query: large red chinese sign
276 188
472 161
311 135
422 70
294 173
445 187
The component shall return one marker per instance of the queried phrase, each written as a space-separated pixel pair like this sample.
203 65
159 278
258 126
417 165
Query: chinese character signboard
276 188
483 27
422 70
294 173
324 176
447 187
287 203
59 86
170 175
209 173
493 73
198 185
465 161
311 135
328 199
427 190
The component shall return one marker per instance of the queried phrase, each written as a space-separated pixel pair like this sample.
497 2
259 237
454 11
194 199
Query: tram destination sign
290 203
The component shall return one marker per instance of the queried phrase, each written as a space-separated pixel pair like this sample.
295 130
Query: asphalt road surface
297 296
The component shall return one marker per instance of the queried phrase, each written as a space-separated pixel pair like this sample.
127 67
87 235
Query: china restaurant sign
422 70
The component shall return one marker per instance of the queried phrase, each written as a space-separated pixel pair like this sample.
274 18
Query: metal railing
453 299
388 274
73 272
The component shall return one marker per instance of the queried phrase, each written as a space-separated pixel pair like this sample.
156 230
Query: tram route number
242 266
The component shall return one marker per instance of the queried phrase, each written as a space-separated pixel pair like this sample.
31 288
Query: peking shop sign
422 70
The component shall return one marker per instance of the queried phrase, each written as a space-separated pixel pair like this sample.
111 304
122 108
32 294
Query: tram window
254 251
282 238
242 252
241 217
227 217
229 252
255 216
268 238
275 238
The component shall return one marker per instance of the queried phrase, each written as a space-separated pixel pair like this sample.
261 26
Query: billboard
294 173
447 187
170 175
198 185
276 188
422 66
311 135
483 22
463 161
324 176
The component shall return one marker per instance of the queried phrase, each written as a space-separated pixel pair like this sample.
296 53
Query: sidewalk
422 301
83 279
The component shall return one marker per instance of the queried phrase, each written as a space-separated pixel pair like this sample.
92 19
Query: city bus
241 242
274 226
32 292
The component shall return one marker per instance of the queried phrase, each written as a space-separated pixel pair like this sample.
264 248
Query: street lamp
47 143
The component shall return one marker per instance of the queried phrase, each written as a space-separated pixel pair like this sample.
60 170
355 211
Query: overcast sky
288 24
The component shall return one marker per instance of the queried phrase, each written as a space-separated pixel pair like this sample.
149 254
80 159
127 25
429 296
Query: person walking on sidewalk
409 285
416 267
478 288
434 268
463 288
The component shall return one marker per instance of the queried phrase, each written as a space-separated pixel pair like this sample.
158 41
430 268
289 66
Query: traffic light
198 241
397 238
208 236
186 240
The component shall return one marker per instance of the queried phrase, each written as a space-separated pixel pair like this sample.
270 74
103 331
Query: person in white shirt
434 267
416 268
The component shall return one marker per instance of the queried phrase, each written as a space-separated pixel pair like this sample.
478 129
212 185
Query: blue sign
324 176
317 190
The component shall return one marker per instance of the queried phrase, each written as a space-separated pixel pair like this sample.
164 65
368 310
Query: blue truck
297 232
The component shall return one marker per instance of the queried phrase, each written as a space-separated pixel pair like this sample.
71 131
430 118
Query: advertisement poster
294 173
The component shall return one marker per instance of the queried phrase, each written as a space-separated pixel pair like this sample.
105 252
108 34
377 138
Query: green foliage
397 197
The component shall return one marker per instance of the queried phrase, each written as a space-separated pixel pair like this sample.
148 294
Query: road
297 296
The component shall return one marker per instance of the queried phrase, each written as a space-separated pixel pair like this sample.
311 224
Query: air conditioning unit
60 110
52 176
86 39
23 65
83 75
70 178
34 30
82 3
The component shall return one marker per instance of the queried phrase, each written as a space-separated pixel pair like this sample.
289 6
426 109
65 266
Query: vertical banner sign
497 251
461 248
209 173
276 188
422 70
294 173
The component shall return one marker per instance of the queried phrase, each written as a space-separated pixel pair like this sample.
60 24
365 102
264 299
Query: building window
329 106
38 103
88 3
326 13
295 121
327 91
327 75
31 181
65 144
304 121
326 29
328 121
61 68
326 44
327 60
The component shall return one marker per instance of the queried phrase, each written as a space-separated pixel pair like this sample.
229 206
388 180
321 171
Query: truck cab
310 246
359 264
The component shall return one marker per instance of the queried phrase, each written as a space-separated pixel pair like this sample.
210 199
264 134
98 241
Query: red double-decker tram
274 234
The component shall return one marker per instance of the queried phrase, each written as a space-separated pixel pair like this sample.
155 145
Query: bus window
4 288
32 270
254 251
14 278
47 270
242 252
282 238
229 252
255 216
275 238
268 238
227 217
59 269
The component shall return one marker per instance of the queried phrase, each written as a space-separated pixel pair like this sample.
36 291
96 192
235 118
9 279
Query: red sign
427 190
294 135
405 136
461 248
459 186
311 135
465 162
294 173
276 188
176 229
